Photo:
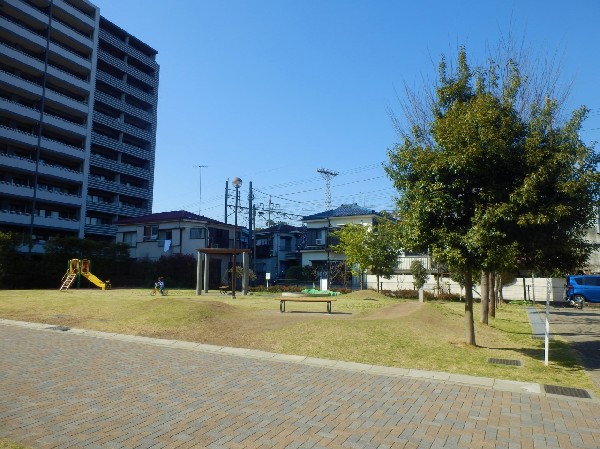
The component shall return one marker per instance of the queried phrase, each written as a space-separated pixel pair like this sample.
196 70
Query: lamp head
237 182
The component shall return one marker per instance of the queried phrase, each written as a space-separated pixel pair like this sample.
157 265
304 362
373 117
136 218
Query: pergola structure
202 275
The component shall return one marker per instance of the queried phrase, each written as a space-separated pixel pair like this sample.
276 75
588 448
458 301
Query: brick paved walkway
90 390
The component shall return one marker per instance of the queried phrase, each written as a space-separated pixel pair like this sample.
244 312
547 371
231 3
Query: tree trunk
492 277
469 320
499 284
485 295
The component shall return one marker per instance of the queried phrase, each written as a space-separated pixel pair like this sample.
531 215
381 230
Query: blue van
582 286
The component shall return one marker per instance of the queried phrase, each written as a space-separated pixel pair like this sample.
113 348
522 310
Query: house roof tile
345 210
167 216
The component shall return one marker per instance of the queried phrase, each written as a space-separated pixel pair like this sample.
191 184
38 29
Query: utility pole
226 197
200 167
327 175
251 224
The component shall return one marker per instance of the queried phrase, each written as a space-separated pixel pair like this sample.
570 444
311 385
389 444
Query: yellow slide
93 279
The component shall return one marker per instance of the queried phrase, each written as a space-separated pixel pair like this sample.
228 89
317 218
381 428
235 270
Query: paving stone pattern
76 390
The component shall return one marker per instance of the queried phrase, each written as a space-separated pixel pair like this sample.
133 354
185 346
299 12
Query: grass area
365 327
7 444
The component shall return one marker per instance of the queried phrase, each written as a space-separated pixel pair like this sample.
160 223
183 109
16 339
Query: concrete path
85 389
582 329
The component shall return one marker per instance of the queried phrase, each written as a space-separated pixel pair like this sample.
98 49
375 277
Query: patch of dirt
395 311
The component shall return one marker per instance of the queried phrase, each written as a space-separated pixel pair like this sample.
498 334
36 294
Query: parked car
583 287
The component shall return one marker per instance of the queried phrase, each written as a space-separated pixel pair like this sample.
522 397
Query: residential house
180 232
277 249
316 251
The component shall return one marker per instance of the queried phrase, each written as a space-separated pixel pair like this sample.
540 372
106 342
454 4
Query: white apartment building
78 109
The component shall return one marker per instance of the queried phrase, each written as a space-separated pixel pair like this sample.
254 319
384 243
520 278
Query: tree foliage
374 248
419 274
485 187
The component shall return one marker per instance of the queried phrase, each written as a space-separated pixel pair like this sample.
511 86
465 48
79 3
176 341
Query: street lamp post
237 182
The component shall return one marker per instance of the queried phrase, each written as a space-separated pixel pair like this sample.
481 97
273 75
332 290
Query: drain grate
59 328
509 362
567 391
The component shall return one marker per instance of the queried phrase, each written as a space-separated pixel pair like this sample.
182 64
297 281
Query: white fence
535 289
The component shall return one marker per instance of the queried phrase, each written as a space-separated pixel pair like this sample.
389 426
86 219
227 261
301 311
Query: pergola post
245 264
199 275
206 265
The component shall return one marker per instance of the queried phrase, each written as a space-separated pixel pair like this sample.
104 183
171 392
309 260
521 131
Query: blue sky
272 90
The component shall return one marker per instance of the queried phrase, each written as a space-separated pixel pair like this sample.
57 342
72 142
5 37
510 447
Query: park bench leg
328 306
282 306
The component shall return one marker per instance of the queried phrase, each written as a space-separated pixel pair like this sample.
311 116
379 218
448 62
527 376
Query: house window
197 233
285 244
165 235
150 232
130 238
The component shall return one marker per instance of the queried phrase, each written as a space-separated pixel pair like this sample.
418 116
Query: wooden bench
224 289
282 300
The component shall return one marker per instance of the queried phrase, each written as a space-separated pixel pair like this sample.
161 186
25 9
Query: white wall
536 289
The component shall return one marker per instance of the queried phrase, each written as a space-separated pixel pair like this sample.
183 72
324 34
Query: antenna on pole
200 203
327 175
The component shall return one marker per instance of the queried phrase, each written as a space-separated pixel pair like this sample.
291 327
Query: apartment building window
150 232
197 233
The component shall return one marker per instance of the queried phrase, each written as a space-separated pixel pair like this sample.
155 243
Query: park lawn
365 327
7 444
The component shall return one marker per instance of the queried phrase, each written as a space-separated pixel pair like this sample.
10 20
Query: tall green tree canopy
484 186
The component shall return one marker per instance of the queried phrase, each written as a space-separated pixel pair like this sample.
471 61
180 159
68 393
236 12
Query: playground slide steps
68 280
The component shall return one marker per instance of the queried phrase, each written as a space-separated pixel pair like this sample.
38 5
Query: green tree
419 274
374 248
479 178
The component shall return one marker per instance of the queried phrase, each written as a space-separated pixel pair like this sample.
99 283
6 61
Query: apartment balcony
64 102
62 148
107 208
53 196
129 69
15 82
18 110
69 78
75 13
33 14
52 221
116 123
115 187
122 106
11 162
119 167
120 146
106 36
58 172
106 230
117 209
30 38
15 218
15 135
16 57
65 125
72 33
74 59
16 162
119 84
16 190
